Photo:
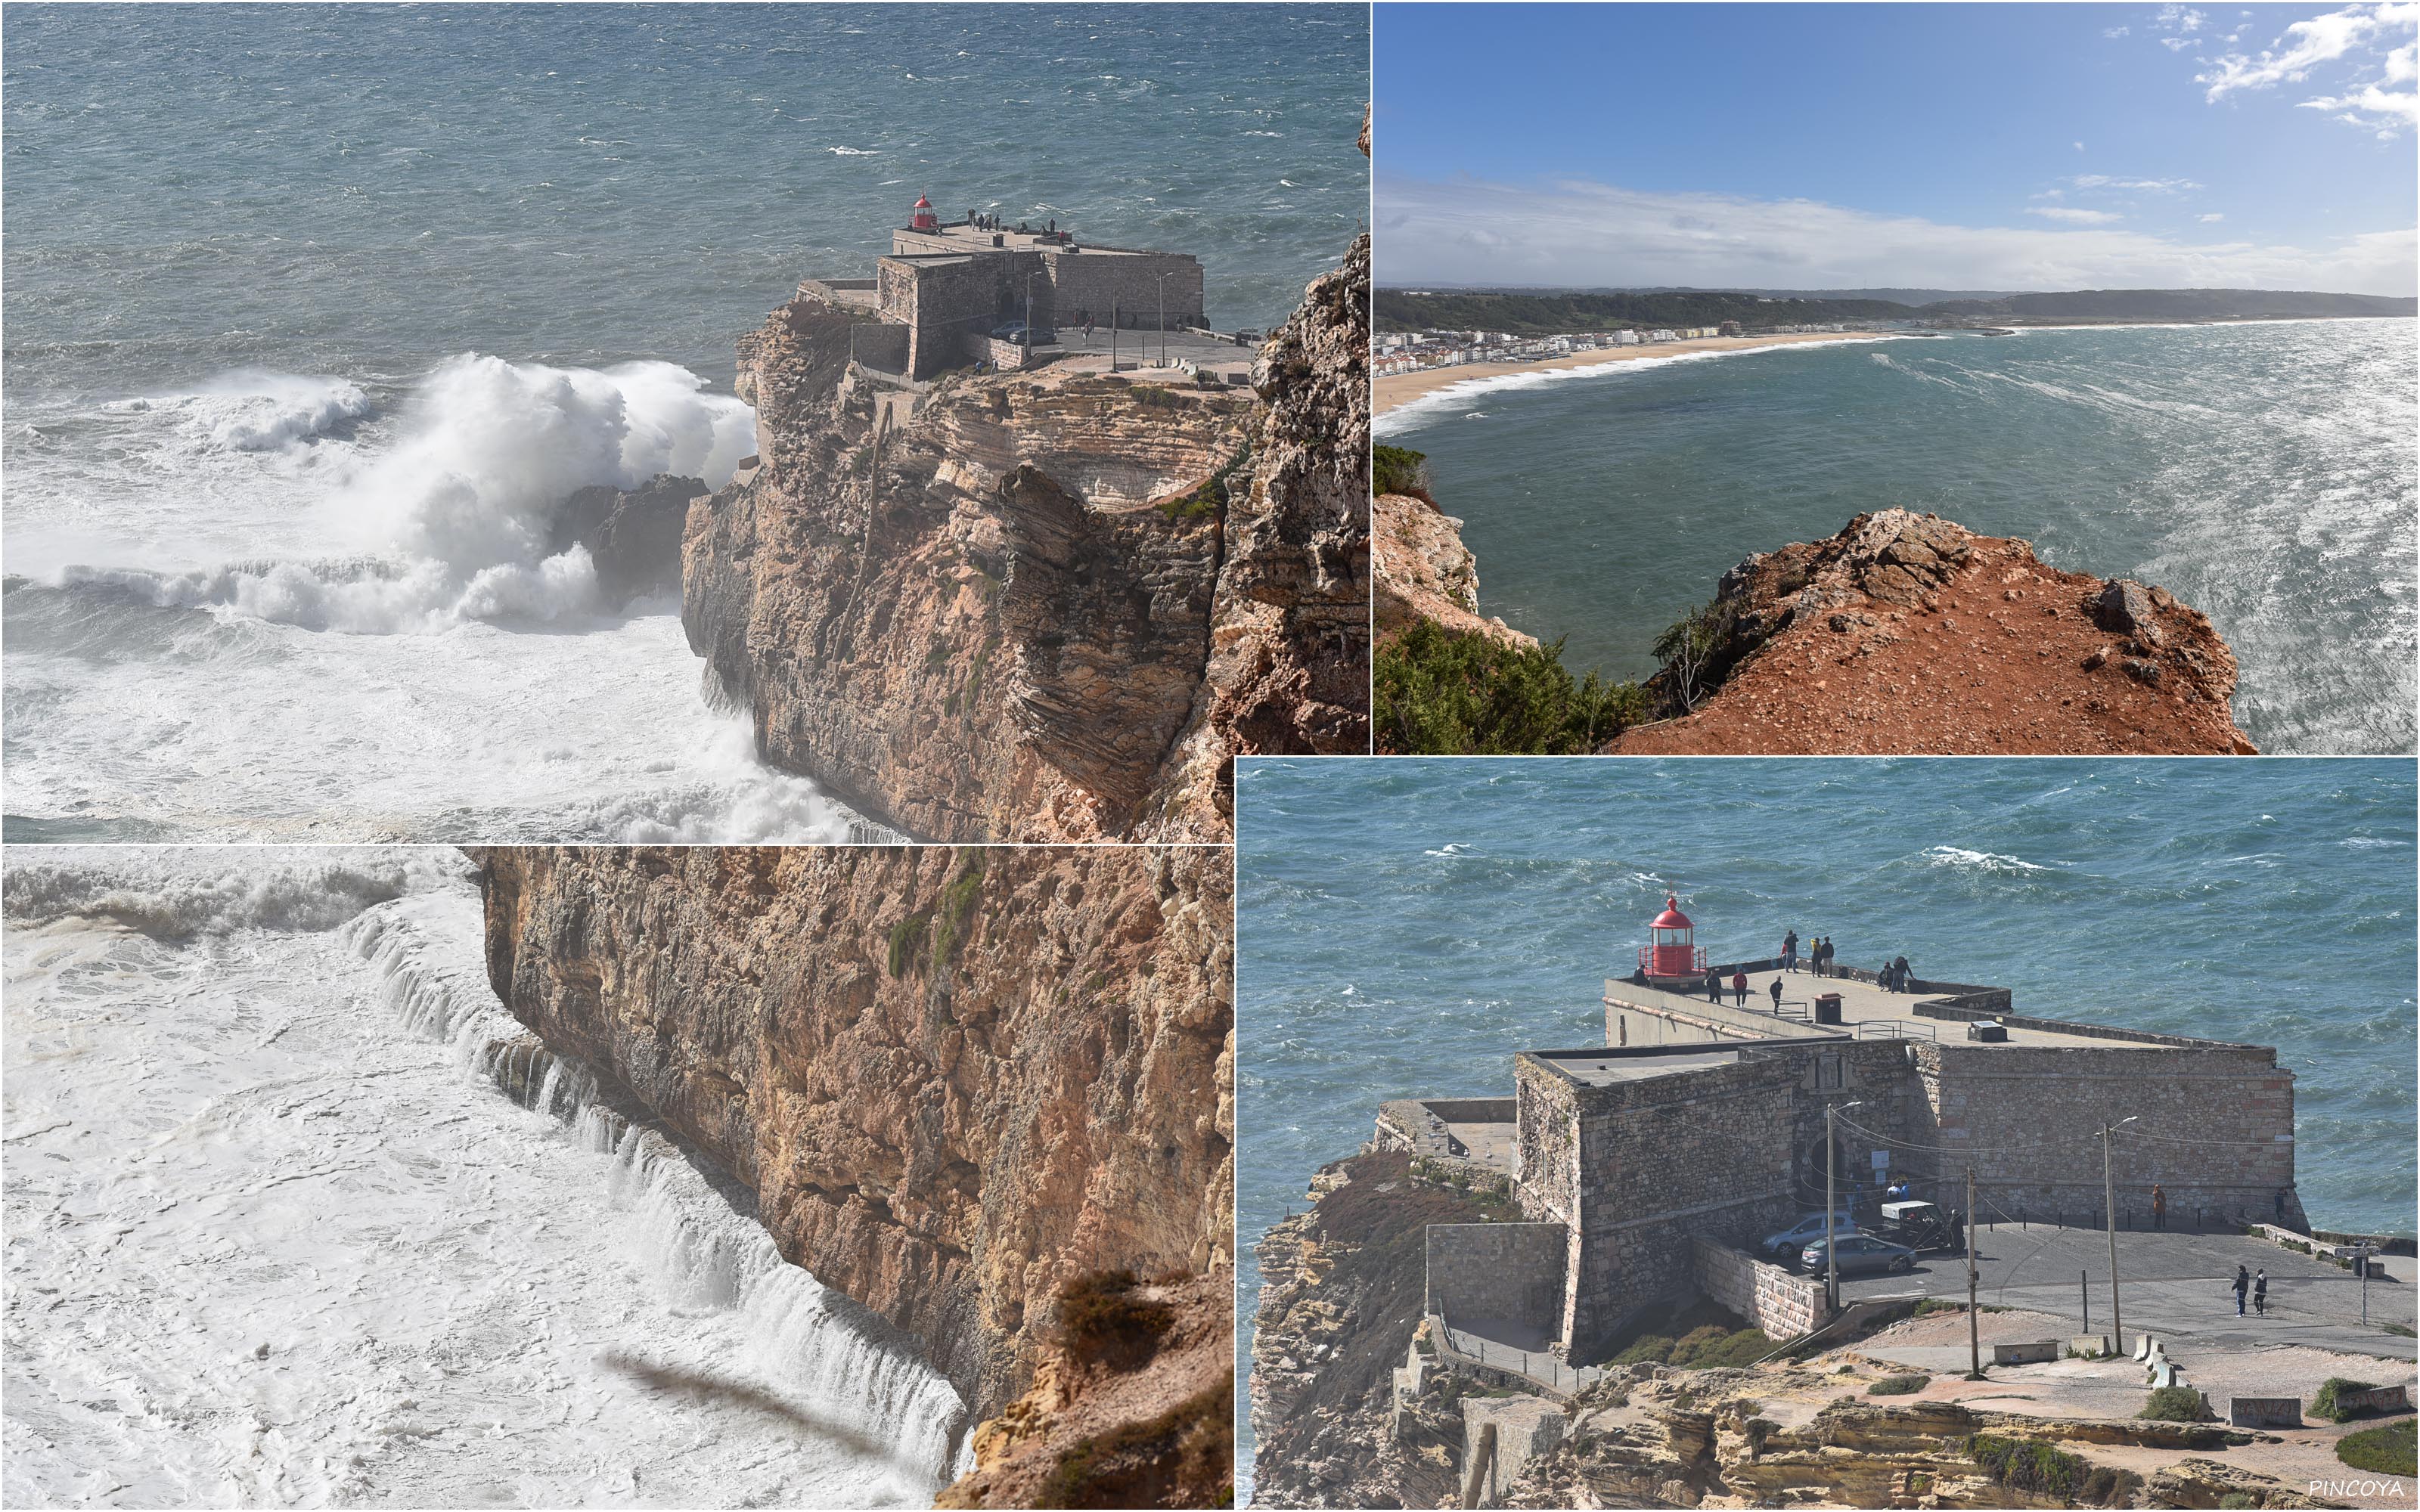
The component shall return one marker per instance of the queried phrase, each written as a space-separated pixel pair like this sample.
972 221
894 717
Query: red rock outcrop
955 1080
1909 633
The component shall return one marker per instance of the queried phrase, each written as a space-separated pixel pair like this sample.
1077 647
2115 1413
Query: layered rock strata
1909 633
1044 606
1422 571
955 1080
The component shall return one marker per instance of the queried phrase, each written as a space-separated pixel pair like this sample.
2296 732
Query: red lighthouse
1670 950
924 220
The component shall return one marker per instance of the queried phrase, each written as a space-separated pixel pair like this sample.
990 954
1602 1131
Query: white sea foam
1959 859
1439 403
267 1247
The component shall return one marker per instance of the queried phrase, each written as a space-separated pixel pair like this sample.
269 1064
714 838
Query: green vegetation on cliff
2388 1451
1442 693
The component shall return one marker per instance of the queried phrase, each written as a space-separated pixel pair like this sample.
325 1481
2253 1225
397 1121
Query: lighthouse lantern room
1670 950
924 220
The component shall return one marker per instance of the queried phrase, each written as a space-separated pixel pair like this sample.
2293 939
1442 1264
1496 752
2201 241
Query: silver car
1861 1254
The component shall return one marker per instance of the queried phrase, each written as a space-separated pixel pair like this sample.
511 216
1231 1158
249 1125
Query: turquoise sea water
314 313
2264 473
1404 925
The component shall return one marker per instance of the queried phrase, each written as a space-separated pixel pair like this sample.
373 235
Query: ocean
2263 473
279 1238
315 313
1404 925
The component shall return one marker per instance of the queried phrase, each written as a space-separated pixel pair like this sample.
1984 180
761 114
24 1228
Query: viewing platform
1931 1012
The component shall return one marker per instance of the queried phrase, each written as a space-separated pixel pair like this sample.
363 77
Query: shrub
2325 1405
908 939
1101 1319
1934 1305
2175 1404
957 904
2026 1465
1400 469
1444 693
1898 1386
2386 1450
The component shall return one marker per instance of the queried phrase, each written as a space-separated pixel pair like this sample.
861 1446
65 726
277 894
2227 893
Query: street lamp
1831 1250
1028 317
2109 1218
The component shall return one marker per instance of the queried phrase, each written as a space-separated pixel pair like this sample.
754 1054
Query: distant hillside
2175 304
1543 314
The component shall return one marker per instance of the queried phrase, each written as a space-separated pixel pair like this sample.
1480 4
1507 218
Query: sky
1928 146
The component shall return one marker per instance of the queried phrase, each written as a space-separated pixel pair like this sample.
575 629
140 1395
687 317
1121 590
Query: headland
1572 1296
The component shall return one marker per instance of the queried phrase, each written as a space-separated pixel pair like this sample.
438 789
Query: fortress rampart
1699 1127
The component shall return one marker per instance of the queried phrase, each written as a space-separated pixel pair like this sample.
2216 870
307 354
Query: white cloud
1581 234
2181 23
2144 186
2117 31
2079 146
2211 219
2353 33
2075 216
2370 101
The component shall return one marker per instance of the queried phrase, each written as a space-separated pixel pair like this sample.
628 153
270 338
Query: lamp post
2109 1218
1831 1249
1029 319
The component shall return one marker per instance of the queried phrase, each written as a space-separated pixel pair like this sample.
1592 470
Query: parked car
1015 330
1921 1226
1861 1254
1782 1248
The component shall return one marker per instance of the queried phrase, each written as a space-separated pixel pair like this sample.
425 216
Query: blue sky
1928 146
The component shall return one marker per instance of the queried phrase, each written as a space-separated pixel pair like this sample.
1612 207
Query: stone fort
946 286
1644 1165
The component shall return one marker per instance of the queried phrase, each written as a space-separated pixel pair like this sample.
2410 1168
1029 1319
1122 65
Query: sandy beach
1396 389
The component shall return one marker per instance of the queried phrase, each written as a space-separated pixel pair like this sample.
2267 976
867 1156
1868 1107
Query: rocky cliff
956 1081
1048 605
1422 571
1908 633
1342 1288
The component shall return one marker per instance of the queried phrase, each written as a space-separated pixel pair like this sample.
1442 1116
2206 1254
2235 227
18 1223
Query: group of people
2258 1284
1818 954
1894 975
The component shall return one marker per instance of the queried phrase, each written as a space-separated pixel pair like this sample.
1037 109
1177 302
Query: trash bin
1827 1008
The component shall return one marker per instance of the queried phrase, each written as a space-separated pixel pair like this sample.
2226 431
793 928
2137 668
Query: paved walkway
2172 1284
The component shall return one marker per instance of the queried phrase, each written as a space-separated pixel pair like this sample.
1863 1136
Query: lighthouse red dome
1671 948
924 220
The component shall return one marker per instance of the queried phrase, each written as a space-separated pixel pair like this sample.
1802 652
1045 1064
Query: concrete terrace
1867 1012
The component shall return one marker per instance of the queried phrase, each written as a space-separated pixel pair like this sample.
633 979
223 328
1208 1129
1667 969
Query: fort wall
2214 1126
1510 1272
1764 1296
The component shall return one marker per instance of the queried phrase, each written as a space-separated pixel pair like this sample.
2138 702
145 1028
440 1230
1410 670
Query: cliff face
1048 605
1909 633
955 1080
1424 572
1341 1289
1289 666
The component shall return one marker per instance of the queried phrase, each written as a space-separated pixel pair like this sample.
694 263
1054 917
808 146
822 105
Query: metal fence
1539 1367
